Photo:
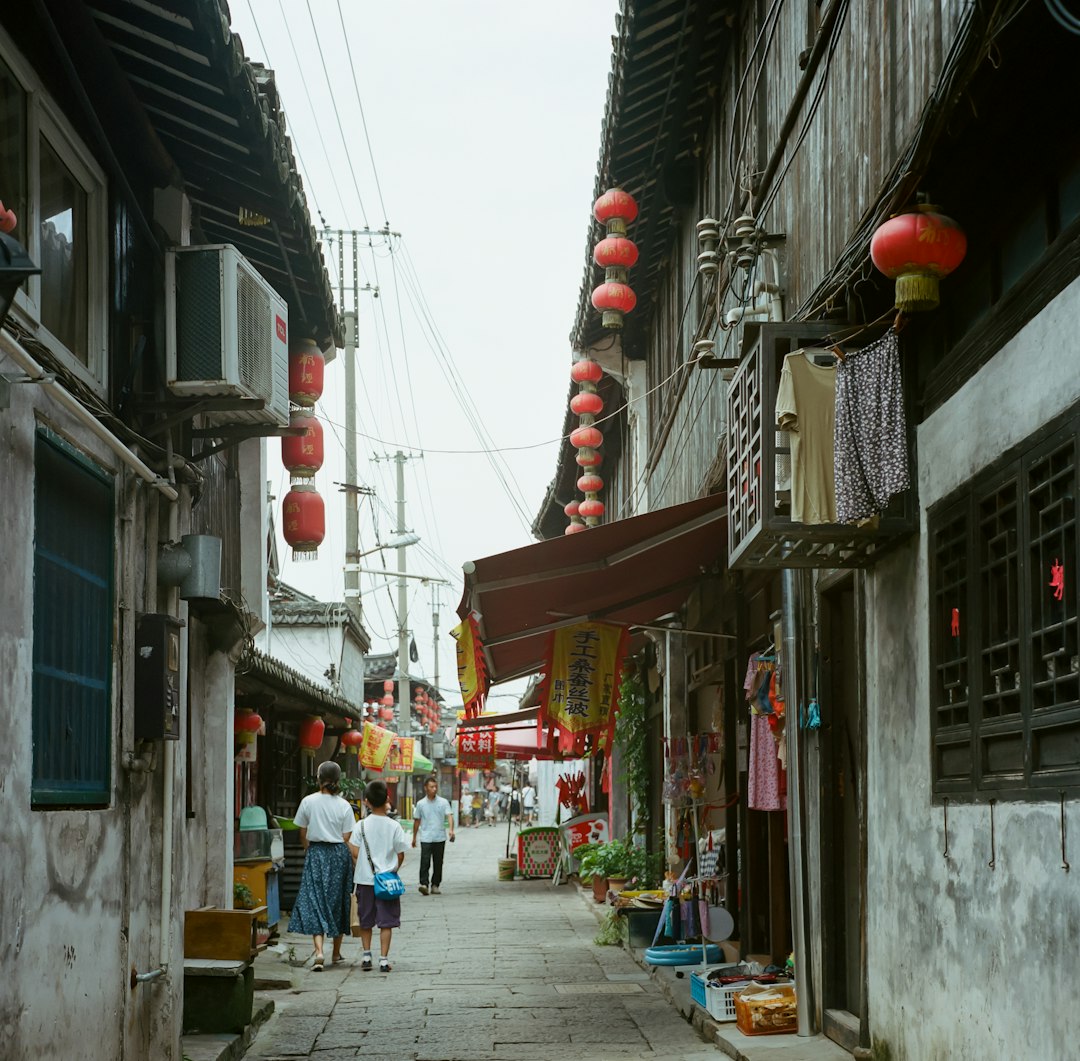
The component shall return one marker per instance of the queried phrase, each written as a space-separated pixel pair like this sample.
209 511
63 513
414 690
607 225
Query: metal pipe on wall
791 608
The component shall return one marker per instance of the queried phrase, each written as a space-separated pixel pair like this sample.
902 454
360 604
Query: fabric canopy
421 764
631 571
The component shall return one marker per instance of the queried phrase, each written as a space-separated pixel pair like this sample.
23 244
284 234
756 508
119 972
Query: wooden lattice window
1005 661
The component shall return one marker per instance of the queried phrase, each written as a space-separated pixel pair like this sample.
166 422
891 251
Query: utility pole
435 635
404 694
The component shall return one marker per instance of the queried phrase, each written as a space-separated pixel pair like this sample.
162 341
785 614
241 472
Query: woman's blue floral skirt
322 907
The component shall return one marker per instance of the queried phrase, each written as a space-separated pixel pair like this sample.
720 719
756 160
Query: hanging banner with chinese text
581 687
476 749
375 746
472 670
400 759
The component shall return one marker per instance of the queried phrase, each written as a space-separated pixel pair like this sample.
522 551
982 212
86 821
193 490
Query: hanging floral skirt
322 907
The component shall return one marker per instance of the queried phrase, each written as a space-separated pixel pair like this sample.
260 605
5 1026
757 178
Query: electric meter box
157 677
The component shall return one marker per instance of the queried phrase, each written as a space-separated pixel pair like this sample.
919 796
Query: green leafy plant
612 931
610 858
631 738
243 897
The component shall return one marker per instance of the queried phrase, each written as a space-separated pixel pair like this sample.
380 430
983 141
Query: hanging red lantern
386 713
587 457
589 437
590 484
613 298
387 700
351 740
591 507
311 733
615 252
587 402
917 249
586 371
615 209
306 373
304 521
571 508
246 725
388 685
574 526
303 454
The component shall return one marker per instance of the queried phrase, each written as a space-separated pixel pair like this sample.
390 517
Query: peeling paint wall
965 963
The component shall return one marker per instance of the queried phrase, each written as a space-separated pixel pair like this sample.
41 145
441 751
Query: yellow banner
400 759
472 675
375 746
583 671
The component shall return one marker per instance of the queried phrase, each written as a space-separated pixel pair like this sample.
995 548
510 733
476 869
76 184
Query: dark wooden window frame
1005 687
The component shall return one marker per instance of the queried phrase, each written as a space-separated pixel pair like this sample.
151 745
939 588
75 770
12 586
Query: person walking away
477 807
528 802
378 844
493 803
430 821
515 806
322 905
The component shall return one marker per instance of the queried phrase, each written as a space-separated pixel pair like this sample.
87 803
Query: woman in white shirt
322 907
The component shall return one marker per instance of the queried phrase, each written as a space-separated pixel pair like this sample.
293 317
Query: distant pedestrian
528 802
477 807
515 805
322 905
494 802
431 819
378 842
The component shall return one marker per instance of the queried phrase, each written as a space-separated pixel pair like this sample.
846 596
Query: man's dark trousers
429 853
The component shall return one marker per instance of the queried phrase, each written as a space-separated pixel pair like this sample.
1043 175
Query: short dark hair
375 793
433 780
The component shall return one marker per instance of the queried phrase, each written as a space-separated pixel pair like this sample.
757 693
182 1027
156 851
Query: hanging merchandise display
581 685
870 451
471 666
766 786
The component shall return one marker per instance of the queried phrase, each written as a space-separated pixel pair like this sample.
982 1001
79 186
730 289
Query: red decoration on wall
1057 579
917 249
956 622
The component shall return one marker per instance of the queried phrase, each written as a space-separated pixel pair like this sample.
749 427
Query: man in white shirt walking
431 820
528 802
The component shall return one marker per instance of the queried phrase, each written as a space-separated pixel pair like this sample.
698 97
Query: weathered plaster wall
965 962
308 649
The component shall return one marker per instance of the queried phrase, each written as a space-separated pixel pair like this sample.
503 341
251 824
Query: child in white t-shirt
378 842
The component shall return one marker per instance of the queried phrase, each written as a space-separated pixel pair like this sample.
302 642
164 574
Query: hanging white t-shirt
385 839
327 818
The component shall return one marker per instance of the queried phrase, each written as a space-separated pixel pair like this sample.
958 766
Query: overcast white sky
484 119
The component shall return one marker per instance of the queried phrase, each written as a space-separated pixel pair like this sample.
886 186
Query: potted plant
618 855
591 868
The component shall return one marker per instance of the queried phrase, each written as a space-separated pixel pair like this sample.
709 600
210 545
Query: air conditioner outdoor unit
227 334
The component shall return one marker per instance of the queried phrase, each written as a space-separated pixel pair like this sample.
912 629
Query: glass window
63 253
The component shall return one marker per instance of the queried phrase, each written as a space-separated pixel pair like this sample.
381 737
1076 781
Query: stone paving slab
487 971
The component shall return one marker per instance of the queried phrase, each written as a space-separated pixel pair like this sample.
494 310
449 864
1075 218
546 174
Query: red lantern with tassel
351 740
303 454
246 725
306 373
614 299
312 730
917 249
304 521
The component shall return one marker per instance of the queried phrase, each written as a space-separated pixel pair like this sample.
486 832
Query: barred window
1005 662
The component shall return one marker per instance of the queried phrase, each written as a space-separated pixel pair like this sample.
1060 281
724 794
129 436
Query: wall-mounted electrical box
157 677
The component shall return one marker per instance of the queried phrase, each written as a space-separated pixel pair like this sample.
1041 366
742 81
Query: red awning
631 571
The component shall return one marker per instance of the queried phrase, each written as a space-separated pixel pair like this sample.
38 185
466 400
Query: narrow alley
487 970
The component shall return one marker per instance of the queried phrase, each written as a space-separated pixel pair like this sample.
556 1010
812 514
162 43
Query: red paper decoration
917 249
312 730
617 251
589 437
303 454
588 402
306 373
304 518
586 371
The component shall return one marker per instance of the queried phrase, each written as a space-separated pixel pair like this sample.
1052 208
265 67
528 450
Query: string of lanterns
614 298
303 511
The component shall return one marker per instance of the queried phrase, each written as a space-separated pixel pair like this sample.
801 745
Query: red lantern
571 508
615 252
573 528
590 507
589 437
587 457
586 371
303 454
386 713
615 209
387 700
306 371
586 402
351 740
590 484
311 733
613 298
246 724
917 249
304 521
388 686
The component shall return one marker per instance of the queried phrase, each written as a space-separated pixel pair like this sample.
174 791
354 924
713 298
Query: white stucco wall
965 962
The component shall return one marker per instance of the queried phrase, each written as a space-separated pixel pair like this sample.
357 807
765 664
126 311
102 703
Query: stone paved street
488 970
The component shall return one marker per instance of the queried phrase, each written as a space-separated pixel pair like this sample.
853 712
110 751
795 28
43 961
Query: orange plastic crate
768 1016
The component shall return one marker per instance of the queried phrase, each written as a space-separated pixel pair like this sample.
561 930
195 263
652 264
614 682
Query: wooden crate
223 934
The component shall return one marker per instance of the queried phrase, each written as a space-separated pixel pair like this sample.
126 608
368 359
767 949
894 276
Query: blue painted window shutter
73 628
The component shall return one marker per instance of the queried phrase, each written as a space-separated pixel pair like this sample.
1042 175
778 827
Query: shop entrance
843 856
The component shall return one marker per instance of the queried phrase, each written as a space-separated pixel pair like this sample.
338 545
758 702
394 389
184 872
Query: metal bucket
507 868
